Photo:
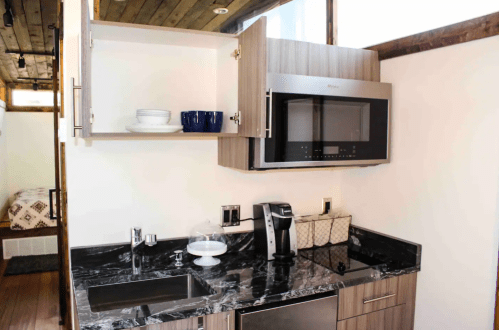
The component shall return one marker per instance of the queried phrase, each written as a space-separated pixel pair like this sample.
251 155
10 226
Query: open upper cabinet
125 67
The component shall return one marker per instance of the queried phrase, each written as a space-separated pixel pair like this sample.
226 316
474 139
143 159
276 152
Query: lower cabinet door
220 321
185 324
386 319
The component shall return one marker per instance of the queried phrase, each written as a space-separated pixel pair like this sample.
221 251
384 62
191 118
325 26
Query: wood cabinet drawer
386 319
367 298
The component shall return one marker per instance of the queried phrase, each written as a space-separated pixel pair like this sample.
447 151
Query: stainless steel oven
321 122
316 312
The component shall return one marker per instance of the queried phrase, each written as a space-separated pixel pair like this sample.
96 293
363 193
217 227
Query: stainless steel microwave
323 122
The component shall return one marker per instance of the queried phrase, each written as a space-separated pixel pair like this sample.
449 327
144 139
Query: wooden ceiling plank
179 12
96 9
131 11
164 10
49 16
195 12
473 29
207 16
23 37
104 5
219 20
32 9
8 41
116 8
148 9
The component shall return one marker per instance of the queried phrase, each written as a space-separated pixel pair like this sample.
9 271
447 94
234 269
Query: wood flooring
29 301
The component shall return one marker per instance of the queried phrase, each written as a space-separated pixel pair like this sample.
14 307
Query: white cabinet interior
147 67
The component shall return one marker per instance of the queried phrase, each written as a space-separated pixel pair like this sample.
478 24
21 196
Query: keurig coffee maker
275 232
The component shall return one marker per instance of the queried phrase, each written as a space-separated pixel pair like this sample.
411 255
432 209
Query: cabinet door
85 70
252 73
387 319
185 324
366 298
220 321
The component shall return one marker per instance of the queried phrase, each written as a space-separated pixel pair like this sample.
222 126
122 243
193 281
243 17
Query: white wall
29 139
4 188
441 187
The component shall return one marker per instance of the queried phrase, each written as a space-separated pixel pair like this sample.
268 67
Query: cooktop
339 258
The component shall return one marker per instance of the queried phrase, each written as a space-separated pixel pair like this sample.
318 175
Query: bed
31 210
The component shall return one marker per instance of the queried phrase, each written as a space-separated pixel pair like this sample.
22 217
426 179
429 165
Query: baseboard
29 246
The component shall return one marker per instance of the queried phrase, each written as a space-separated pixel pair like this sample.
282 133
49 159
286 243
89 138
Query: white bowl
153 120
153 112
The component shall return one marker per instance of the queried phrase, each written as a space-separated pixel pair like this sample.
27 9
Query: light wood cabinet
218 321
381 305
386 319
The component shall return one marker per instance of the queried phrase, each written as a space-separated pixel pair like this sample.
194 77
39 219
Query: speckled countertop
242 279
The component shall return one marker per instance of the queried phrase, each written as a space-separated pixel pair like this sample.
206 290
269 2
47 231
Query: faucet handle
178 258
151 239
136 233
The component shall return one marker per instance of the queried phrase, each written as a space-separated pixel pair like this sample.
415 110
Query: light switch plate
230 215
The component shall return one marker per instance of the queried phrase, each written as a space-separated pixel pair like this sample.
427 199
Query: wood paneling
234 152
252 70
30 33
387 319
220 321
185 324
189 14
303 58
474 29
406 294
29 301
352 301
332 22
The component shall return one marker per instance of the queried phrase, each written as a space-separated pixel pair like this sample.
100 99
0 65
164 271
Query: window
364 23
303 20
30 98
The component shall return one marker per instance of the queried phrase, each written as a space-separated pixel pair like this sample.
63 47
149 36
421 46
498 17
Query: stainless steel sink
124 295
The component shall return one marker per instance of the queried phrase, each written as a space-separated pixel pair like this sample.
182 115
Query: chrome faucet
137 241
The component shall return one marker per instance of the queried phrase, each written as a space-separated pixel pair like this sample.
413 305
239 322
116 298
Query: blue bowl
214 121
184 119
197 121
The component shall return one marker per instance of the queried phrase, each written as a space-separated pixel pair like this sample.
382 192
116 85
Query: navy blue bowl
197 121
214 121
184 119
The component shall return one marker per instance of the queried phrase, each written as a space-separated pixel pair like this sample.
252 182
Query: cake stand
207 249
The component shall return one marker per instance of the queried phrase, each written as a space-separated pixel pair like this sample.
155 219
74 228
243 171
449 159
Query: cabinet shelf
160 135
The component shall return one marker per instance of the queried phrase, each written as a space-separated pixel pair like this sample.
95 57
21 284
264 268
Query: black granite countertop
242 279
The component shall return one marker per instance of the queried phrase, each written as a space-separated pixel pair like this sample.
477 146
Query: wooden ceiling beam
473 29
179 12
162 12
115 10
195 12
131 11
23 37
104 5
33 13
216 23
147 11
332 22
49 16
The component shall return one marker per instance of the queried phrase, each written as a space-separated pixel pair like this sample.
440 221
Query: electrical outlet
230 215
327 204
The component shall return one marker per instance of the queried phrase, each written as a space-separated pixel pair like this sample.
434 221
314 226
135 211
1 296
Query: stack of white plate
153 121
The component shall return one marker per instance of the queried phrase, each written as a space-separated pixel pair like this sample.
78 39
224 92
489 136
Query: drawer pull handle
366 301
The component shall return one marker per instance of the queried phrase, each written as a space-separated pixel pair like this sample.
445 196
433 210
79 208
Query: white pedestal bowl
207 249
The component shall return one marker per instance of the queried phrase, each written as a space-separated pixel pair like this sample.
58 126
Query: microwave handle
269 96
